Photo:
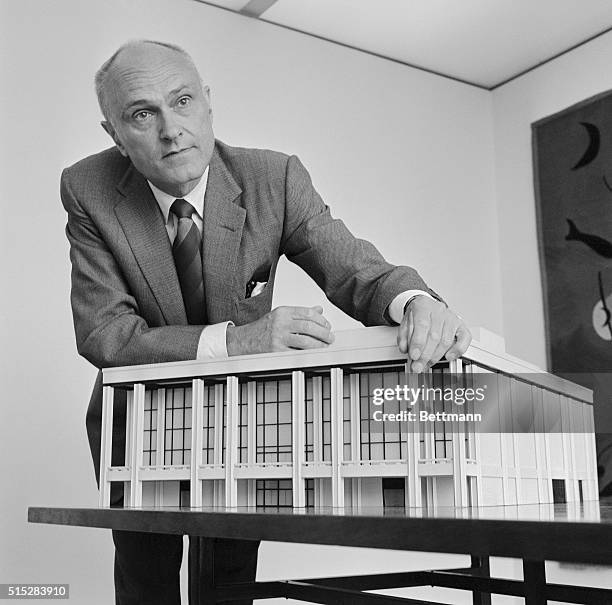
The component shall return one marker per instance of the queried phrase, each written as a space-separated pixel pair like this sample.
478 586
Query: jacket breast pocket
254 307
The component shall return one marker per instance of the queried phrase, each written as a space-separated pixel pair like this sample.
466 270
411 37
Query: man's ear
108 128
207 96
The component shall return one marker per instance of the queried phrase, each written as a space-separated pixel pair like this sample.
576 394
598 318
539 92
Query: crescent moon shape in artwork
601 320
593 149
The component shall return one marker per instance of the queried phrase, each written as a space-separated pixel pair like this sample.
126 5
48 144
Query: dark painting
573 181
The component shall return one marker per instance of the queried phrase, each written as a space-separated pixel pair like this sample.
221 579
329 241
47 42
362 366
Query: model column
336 437
251 439
160 442
106 446
136 444
218 437
231 441
298 435
197 409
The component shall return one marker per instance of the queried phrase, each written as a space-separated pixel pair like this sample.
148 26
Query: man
174 240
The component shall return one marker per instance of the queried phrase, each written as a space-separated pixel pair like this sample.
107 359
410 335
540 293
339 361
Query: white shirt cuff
212 343
396 308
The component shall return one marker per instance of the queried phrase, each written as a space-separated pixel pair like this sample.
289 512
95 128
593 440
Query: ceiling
481 42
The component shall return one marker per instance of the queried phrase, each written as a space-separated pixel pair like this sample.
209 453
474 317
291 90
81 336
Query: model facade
338 427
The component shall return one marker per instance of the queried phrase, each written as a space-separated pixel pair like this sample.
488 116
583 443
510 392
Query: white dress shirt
212 342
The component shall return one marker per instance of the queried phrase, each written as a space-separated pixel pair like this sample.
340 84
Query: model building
340 426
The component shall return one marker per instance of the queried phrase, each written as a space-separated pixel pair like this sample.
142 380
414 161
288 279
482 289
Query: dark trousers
147 566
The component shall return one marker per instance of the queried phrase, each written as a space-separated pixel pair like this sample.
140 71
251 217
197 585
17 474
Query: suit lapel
143 225
222 233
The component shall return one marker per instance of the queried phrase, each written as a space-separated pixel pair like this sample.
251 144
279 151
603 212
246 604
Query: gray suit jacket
126 299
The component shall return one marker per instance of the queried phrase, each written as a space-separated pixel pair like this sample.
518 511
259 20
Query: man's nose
169 126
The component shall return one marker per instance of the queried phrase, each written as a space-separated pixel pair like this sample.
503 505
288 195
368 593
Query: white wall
406 158
571 78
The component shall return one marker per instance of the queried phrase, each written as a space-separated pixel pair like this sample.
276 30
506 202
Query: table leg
484 570
202 571
534 579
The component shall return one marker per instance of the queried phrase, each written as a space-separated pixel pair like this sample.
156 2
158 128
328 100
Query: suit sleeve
109 329
351 271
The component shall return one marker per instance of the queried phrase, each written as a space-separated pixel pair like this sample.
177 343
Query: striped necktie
187 253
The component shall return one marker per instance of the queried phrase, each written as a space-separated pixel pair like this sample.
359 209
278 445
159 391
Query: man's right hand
282 329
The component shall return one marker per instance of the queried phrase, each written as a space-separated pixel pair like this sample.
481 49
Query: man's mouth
176 152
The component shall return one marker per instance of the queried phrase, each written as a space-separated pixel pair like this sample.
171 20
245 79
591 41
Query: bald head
134 54
158 113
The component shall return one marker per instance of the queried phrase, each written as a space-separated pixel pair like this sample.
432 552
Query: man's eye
142 116
184 101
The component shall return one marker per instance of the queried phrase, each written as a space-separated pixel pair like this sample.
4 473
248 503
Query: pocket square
257 282
258 289
254 288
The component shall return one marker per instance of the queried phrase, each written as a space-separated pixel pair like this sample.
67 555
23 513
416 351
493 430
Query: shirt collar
195 197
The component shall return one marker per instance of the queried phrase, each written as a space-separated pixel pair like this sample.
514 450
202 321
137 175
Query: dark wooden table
532 533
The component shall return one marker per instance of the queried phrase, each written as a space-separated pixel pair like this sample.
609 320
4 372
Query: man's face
160 116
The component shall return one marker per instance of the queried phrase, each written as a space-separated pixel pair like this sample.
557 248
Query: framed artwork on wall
572 152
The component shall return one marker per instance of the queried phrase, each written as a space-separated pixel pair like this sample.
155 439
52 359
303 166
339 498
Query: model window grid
309 420
346 416
318 384
243 449
274 492
273 414
310 493
177 433
208 425
443 445
149 453
274 438
274 441
326 416
381 440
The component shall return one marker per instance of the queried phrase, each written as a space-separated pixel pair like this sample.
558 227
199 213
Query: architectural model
332 427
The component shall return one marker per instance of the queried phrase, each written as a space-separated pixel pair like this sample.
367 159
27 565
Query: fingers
414 330
313 314
429 330
302 341
312 329
420 331
302 327
464 337
405 333
310 323
434 333
446 341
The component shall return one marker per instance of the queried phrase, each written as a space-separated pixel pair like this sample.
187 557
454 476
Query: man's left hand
429 331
